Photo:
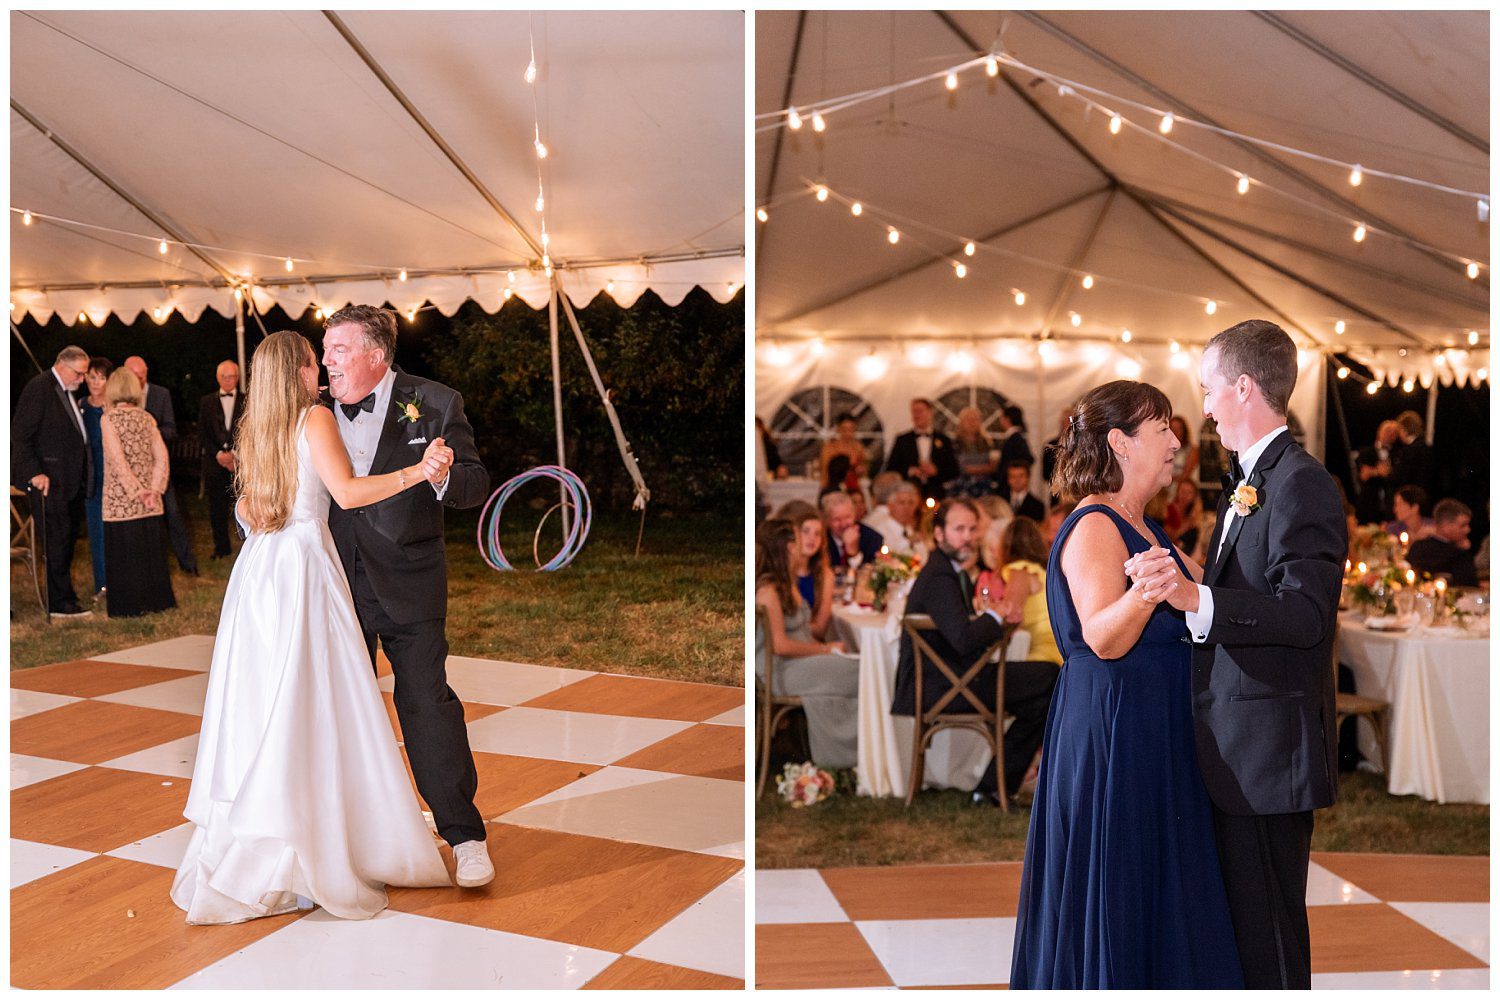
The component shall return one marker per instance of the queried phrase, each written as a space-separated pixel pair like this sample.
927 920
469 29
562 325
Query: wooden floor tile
91 678
705 751
923 892
97 809
1375 937
638 974
74 929
643 698
92 732
808 956
472 711
603 894
1421 878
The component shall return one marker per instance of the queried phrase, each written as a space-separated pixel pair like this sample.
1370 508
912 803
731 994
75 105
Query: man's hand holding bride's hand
1158 577
436 461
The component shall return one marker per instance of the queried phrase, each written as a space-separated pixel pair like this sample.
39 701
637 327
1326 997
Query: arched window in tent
806 420
951 403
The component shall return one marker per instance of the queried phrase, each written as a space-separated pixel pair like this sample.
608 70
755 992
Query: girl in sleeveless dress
298 789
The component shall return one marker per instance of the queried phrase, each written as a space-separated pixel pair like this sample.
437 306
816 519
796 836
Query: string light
1167 120
402 275
411 315
83 317
1408 385
541 200
952 81
1019 296
1472 270
531 71
26 218
818 347
1075 319
1343 371
609 288
541 148
1359 233
1088 282
1340 327
546 239
1175 347
872 366
239 294
960 270
892 235
1211 307
1356 176
288 263
969 249
547 264
156 314
818 124
822 190
161 247
793 120
856 209
1243 187
991 66
1483 374
762 215
1126 336
1372 388
508 294
1473 337
1114 124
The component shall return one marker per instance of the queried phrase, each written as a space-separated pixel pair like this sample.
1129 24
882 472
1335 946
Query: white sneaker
472 866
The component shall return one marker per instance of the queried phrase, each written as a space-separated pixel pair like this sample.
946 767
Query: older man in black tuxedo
924 455
1262 623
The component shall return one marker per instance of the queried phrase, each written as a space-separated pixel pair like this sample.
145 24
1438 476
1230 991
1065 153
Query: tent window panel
807 419
951 403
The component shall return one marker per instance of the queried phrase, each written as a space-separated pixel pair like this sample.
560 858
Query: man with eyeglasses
50 459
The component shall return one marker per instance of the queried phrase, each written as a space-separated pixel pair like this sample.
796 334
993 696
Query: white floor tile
606 779
164 850
709 935
1324 888
942 952
1418 979
500 682
30 861
734 850
184 695
581 737
733 717
1465 924
188 652
26 770
795 896
175 758
24 703
399 951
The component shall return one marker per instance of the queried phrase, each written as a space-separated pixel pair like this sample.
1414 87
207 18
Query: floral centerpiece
1375 546
1375 587
804 785
890 568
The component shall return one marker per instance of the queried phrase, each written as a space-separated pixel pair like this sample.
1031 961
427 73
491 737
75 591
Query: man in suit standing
394 556
923 454
1018 492
944 592
1262 623
50 458
159 405
1013 444
219 415
1413 463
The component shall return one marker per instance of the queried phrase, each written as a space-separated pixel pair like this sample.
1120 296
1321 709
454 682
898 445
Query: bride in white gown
298 789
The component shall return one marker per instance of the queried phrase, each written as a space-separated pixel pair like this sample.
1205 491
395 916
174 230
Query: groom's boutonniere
1245 500
411 412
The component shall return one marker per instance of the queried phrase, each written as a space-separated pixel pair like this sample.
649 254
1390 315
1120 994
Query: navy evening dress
1121 885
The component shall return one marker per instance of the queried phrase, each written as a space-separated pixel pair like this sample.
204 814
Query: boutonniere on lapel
937 442
411 412
1245 501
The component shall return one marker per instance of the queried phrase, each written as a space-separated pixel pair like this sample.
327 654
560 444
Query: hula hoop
578 532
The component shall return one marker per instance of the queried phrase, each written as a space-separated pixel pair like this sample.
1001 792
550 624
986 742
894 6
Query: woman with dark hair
93 415
843 459
1121 886
1410 505
1024 556
814 574
826 681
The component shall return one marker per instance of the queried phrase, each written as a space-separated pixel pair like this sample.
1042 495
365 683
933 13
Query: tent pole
1431 408
562 457
1331 389
239 337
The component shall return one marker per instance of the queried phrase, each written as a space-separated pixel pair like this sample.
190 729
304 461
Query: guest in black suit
1018 492
219 415
1372 503
1014 447
1413 464
159 405
1263 625
924 455
944 592
847 538
1447 549
50 457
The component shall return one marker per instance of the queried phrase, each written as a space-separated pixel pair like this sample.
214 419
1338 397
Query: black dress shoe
71 610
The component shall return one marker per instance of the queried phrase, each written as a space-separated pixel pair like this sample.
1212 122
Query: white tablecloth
955 759
1438 684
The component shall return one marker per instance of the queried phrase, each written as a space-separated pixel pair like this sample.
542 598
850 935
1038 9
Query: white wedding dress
298 788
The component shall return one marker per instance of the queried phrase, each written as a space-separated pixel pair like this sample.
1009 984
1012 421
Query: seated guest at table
1409 502
989 585
975 466
136 474
1447 549
941 591
992 511
1024 560
1372 483
846 446
1018 491
827 682
814 577
1183 514
895 513
774 466
848 540
1055 518
923 455
1413 464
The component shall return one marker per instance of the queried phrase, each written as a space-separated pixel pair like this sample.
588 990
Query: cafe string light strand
577 497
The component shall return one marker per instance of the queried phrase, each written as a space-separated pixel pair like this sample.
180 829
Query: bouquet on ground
804 785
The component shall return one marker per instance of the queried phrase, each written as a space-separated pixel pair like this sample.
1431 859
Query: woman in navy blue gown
1121 885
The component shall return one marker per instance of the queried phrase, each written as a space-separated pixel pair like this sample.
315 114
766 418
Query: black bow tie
1235 474
226 395
351 410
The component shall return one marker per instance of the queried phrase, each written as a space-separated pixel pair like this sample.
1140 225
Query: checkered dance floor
616 825
1378 921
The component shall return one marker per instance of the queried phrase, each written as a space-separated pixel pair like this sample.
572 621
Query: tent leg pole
1431 408
239 336
562 457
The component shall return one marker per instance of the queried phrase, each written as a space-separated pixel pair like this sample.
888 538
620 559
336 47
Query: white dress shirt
73 405
226 403
891 530
924 447
1199 622
361 435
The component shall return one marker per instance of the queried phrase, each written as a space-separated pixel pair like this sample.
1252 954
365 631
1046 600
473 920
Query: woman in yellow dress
1024 560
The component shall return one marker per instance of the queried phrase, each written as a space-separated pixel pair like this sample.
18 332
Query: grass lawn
676 611
942 828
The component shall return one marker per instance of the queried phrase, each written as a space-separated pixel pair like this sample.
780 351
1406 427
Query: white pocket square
417 441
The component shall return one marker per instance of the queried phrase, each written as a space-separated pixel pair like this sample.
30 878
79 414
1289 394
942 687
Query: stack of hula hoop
578 529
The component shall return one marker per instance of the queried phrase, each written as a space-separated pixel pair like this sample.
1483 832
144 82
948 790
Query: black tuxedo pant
60 518
177 531
218 485
1028 695
1264 863
431 716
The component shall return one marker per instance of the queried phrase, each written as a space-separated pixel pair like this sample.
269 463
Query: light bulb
1483 374
818 347
969 249
1126 336
1243 187
793 120
952 81
541 149
1473 337
1128 368
1356 176
1343 371
1340 327
1179 361
609 288
1020 297
402 275
508 294
288 263
1211 307
83 317
546 239
1075 319
411 315
1408 385
1114 124
1359 233
960 270
931 503
541 202
1372 388
762 215
156 314
239 294
856 209
1088 282
531 71
822 191
991 66
1472 270
892 235
510 276
872 366
1167 121
818 123
547 265
1175 347
26 218
161 247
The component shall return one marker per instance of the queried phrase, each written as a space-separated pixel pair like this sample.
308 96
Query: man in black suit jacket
1018 492
944 592
394 557
1413 463
219 415
1447 550
844 527
1014 447
923 454
1262 623
159 405
50 458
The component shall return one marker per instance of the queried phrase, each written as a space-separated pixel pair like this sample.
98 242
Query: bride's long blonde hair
266 442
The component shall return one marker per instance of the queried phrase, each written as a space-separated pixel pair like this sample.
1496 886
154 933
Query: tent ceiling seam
786 97
1063 288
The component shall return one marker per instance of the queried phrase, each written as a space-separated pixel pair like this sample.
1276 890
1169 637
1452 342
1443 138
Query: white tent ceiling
1050 194
261 136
